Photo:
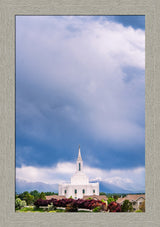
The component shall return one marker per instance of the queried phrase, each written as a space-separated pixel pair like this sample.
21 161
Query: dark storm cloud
79 81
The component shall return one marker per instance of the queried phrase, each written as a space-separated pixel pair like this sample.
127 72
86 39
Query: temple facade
79 185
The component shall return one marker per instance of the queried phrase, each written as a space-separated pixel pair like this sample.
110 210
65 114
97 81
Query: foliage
114 207
142 206
57 210
138 211
110 199
31 209
71 207
103 193
36 194
42 195
127 206
16 196
33 196
19 203
50 193
79 203
115 197
27 197
97 209
51 207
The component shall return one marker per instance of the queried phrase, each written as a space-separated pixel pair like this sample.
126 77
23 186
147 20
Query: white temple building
79 185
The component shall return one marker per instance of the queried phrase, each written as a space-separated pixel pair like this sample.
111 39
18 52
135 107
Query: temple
79 185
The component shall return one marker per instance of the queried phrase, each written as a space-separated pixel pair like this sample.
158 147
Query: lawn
34 209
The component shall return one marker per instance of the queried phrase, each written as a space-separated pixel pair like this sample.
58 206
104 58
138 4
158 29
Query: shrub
79 203
110 199
127 206
19 203
97 209
51 207
71 207
137 211
114 207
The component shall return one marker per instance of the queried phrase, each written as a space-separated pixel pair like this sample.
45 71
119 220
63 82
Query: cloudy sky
80 80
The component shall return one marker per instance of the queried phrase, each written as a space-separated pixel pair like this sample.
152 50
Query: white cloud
130 179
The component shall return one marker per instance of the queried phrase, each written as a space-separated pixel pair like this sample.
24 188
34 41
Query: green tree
115 197
127 206
23 195
19 203
36 194
103 193
50 193
42 195
27 197
110 199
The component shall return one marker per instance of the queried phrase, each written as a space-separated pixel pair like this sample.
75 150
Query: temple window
79 166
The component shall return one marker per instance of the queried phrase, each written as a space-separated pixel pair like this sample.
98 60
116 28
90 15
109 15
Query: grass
84 211
30 209
34 209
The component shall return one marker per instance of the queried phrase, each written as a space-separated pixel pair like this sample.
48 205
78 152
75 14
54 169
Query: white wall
71 190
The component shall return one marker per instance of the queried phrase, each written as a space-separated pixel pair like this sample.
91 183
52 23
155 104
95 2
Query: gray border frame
8 10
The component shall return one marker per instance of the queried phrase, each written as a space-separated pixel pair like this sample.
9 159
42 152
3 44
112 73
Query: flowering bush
71 207
114 207
79 203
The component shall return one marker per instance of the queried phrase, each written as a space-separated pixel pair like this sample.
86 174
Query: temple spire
79 155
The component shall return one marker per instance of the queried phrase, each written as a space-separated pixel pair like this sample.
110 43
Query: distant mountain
22 186
110 188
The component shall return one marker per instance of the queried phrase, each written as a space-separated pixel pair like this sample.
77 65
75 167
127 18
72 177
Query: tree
50 193
27 197
142 206
110 199
115 197
19 203
103 193
42 195
23 195
36 194
127 206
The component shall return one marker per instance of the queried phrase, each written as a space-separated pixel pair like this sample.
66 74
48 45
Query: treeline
32 196
113 195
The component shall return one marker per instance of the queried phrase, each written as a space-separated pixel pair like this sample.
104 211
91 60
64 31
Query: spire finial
79 154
